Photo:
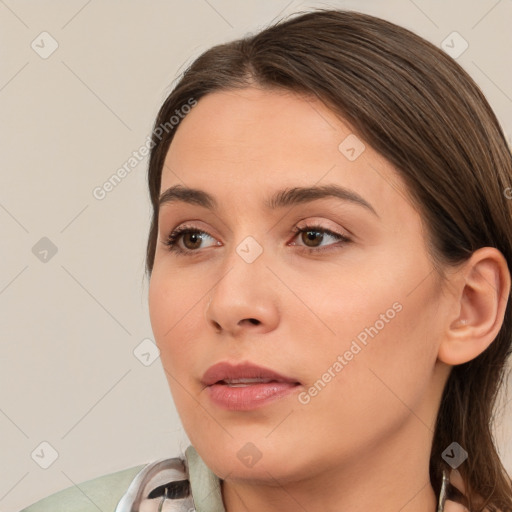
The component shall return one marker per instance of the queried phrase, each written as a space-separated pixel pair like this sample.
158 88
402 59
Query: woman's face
355 323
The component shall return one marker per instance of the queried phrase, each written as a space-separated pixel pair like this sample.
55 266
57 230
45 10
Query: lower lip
246 398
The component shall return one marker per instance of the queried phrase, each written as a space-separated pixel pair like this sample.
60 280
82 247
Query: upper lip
247 370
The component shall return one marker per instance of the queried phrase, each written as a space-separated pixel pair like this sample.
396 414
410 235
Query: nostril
254 321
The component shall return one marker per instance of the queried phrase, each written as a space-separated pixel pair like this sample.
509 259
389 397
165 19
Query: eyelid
317 222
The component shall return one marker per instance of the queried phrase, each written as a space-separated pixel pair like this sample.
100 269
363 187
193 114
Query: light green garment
103 493
204 483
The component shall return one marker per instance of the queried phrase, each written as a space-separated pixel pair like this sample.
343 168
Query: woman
329 265
255 259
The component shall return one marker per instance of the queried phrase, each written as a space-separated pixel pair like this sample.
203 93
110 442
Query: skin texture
363 442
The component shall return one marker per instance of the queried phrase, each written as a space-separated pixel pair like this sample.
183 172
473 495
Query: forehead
246 121
247 143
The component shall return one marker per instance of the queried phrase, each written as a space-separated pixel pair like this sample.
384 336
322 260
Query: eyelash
174 236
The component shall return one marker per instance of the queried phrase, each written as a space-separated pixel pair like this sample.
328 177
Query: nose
244 301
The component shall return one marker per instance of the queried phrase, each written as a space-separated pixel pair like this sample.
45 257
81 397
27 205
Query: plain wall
70 325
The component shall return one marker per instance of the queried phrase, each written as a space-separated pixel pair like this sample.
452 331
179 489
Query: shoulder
143 487
101 493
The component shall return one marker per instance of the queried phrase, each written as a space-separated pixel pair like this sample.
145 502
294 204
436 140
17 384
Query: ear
481 291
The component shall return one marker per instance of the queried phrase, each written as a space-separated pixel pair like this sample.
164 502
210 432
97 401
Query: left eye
317 233
192 238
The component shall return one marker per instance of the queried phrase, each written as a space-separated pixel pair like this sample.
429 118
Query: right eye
191 236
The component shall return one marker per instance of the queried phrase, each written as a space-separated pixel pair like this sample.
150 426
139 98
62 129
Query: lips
246 387
243 375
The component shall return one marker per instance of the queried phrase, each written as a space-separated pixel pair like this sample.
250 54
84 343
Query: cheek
172 320
382 342
161 307
376 386
175 316
174 303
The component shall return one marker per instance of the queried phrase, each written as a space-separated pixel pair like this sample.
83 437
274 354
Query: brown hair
419 109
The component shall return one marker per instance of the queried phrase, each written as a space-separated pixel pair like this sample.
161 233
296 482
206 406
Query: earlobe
482 292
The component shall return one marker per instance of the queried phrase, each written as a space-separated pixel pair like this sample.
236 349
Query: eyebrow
280 199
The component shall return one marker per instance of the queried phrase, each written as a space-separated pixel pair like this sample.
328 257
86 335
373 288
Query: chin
262 461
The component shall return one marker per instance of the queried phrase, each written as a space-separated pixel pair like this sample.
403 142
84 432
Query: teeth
244 382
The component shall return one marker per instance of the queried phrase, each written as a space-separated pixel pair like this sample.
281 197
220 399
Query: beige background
70 325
